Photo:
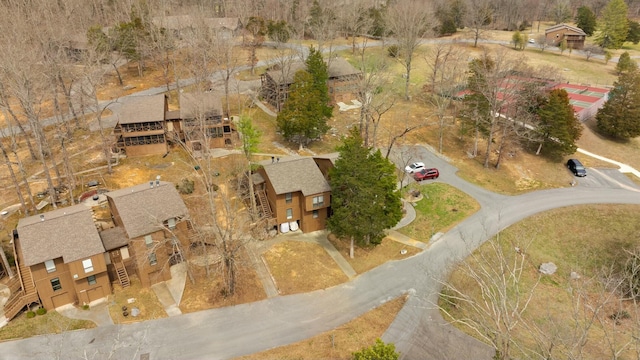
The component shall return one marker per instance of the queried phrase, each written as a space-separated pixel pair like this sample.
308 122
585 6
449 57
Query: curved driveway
418 331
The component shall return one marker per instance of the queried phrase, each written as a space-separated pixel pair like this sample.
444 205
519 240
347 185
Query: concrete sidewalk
98 312
170 292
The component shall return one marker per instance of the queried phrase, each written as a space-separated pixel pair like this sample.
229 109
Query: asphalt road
418 332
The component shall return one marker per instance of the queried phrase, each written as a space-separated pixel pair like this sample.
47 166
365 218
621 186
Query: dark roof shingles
296 174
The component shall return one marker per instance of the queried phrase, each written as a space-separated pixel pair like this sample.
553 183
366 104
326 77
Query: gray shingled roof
114 238
560 26
143 209
337 67
330 156
296 174
139 109
193 105
69 233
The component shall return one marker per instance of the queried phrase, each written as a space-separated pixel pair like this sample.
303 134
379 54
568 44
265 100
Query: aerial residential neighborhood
348 179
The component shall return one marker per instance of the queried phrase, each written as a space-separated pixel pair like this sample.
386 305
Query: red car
425 174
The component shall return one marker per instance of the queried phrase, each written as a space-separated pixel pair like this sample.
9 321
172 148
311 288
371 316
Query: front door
116 257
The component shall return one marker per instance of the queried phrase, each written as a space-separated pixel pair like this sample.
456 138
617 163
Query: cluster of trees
508 106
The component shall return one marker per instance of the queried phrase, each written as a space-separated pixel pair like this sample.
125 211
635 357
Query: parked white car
416 166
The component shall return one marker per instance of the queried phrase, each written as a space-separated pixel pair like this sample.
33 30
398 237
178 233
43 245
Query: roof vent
151 184
41 217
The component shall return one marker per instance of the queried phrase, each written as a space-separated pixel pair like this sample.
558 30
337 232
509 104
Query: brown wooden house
574 36
60 260
294 193
342 83
141 127
152 220
203 124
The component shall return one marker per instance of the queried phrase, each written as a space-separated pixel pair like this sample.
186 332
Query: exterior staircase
263 204
23 293
121 270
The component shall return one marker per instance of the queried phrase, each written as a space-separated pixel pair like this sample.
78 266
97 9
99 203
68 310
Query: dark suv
576 167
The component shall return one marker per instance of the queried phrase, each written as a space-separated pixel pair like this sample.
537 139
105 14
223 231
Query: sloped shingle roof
139 109
69 233
114 238
565 26
296 174
143 209
193 105
337 67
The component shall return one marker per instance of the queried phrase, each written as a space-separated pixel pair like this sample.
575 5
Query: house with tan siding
574 36
141 127
293 193
203 123
342 83
59 257
153 222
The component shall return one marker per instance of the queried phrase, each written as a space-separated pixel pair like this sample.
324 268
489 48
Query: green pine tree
626 63
364 197
613 26
633 36
378 351
318 70
586 20
620 115
302 118
558 124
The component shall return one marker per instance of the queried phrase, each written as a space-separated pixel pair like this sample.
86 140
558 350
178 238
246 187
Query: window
289 213
148 240
87 265
288 197
50 265
315 214
91 280
152 259
55 284
318 201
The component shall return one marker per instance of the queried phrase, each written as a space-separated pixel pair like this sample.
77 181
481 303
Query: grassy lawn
365 259
582 239
145 300
49 323
299 267
441 207
342 341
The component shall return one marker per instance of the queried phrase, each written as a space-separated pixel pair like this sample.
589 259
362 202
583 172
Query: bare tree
497 273
227 62
354 21
446 76
409 22
479 16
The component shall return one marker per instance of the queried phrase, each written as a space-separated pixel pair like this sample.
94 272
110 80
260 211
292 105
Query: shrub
393 50
30 314
185 187
85 307
41 311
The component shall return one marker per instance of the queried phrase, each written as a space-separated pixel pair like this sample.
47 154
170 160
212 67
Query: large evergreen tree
364 197
558 125
318 70
586 20
626 63
303 116
613 26
633 35
620 115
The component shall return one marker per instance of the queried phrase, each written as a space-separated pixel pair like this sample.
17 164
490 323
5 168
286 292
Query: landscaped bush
41 311
30 314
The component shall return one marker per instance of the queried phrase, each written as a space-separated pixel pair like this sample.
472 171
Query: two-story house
294 193
140 129
153 222
342 83
202 122
60 259
574 36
